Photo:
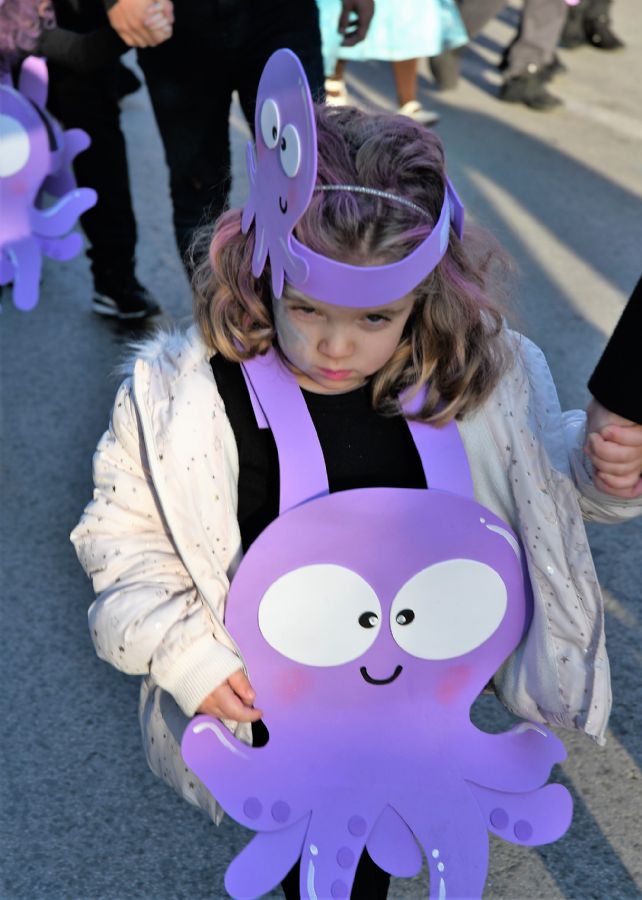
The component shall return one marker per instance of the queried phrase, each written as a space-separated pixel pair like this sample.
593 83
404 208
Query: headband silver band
359 189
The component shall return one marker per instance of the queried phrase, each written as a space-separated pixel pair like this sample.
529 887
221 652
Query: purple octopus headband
282 178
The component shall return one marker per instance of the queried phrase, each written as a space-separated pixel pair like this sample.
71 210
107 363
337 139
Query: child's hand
614 446
232 700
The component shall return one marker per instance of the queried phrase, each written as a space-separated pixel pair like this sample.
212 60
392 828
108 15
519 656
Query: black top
617 380
361 448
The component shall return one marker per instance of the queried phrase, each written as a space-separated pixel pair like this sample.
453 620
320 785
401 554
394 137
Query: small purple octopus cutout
283 172
370 621
36 158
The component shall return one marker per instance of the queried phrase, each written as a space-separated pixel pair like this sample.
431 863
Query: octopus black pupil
282 143
274 133
368 620
405 617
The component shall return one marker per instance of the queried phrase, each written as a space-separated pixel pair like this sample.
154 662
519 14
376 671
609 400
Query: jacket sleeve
81 52
148 617
563 436
615 383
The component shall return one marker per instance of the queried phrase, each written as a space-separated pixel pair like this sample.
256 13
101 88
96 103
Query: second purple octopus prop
36 158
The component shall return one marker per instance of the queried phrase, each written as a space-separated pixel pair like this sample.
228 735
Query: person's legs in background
89 100
336 93
589 22
191 101
216 49
405 72
270 25
528 63
475 15
478 13
529 58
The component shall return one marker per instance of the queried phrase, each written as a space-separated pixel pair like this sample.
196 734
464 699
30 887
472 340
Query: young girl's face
334 349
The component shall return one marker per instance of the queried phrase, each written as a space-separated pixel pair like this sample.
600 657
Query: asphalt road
82 817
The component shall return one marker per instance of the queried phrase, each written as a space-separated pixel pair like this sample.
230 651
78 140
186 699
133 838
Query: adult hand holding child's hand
130 19
232 700
614 446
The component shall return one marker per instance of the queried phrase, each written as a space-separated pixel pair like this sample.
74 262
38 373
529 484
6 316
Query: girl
399 33
185 480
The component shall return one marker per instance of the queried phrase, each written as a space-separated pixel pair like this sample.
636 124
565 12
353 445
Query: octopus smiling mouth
388 680
283 205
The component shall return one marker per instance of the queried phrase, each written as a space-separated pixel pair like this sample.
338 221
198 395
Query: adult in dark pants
216 48
614 441
83 55
219 46
528 62
589 23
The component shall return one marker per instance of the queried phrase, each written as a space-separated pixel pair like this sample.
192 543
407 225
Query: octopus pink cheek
292 685
454 682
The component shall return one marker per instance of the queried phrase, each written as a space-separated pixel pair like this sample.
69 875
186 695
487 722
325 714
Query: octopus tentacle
530 818
457 854
62 217
333 845
241 778
392 846
33 80
265 861
26 260
260 250
278 275
62 248
249 210
520 759
62 181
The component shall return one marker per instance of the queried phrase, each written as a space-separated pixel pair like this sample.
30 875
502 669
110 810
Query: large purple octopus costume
366 615
36 158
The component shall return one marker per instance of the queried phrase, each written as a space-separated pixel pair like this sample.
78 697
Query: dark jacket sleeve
617 380
81 52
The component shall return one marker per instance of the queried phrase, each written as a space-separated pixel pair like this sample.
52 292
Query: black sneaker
599 34
573 34
529 89
552 69
129 301
547 72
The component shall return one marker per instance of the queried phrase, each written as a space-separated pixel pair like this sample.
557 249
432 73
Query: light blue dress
400 29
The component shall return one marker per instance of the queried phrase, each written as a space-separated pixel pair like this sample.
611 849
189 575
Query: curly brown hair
453 341
21 22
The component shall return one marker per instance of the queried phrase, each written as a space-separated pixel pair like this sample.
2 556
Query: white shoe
336 93
415 111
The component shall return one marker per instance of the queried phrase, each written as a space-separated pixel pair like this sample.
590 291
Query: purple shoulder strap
281 407
279 404
442 453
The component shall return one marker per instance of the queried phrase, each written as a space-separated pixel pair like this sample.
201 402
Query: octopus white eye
14 146
448 609
320 615
290 150
270 124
